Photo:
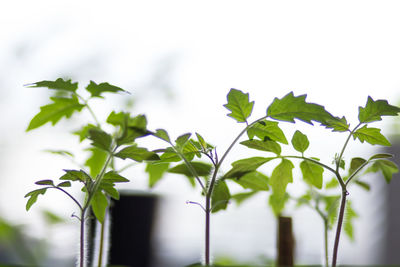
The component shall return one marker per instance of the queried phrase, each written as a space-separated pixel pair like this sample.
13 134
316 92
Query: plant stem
207 231
82 239
326 242
101 245
339 226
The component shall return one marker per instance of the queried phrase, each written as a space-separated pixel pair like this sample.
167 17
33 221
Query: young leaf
64 184
83 133
109 189
371 135
156 172
312 173
60 152
114 177
96 160
162 134
203 143
268 145
292 107
363 185
118 119
61 107
255 181
300 141
181 140
45 182
355 164
220 196
243 166
201 169
100 139
74 175
239 198
388 168
99 205
374 110
239 105
138 154
266 130
97 89
381 156
58 84
281 176
33 196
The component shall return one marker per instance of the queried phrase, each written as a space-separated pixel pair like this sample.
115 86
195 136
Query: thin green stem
326 242
357 171
344 147
311 160
85 102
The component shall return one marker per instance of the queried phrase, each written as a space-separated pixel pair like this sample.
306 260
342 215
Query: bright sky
337 52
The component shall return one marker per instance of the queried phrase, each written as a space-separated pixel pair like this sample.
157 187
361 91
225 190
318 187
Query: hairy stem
82 239
101 245
207 231
339 226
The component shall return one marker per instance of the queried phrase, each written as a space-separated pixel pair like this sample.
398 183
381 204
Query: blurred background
179 59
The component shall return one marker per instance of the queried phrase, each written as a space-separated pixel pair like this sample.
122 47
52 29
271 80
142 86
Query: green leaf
350 215
201 168
52 218
267 130
60 152
312 173
337 124
331 207
333 183
388 168
96 160
355 164
138 154
239 198
61 107
156 172
281 176
277 202
58 84
162 134
114 177
381 156
363 185
109 189
99 205
203 143
64 184
374 110
220 196
100 139
371 135
243 166
270 146
45 182
182 140
292 107
74 175
33 196
97 89
118 119
83 133
300 141
239 105
254 181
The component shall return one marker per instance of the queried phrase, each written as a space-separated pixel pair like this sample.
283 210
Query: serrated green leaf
135 128
109 189
156 172
239 105
254 180
96 90
100 139
162 134
363 185
350 215
59 84
300 141
337 124
266 130
243 166
280 177
388 168
138 154
355 164
33 196
371 135
206 146
99 205
239 198
117 119
381 156
45 182
220 196
96 160
292 107
374 110
61 107
64 184
83 133
201 168
114 177
312 173
268 145
74 175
